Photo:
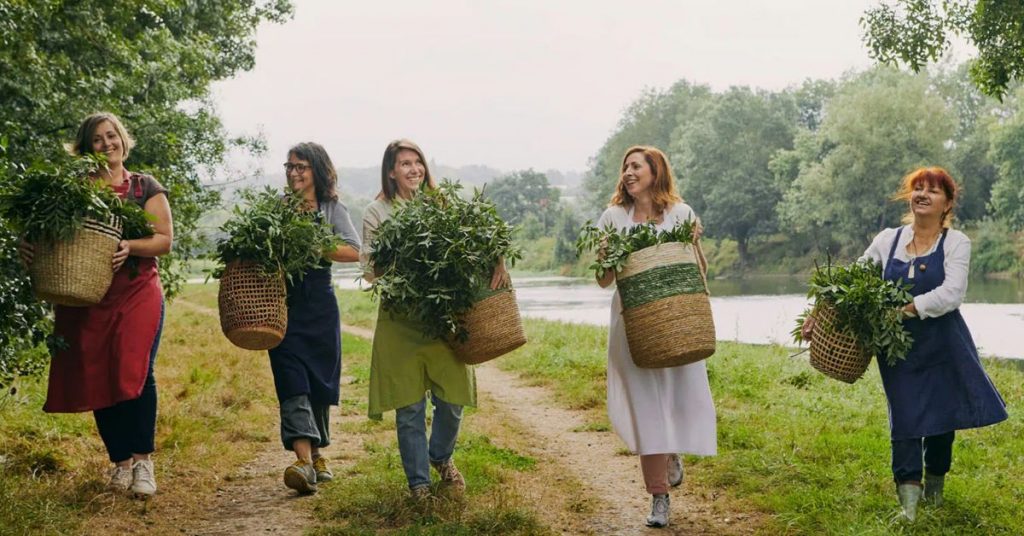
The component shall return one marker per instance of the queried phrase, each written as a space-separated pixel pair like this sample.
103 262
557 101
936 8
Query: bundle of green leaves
867 307
618 245
48 202
276 232
435 257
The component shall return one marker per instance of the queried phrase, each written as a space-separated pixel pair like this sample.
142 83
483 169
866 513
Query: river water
763 310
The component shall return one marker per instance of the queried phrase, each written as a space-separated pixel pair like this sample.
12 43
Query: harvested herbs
867 307
436 255
618 245
275 232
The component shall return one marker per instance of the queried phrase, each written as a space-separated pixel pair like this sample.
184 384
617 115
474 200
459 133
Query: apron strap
942 240
892 250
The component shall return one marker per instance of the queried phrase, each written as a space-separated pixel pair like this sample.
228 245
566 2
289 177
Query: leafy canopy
276 232
867 307
918 31
435 256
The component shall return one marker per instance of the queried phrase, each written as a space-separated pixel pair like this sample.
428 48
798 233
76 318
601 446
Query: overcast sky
514 84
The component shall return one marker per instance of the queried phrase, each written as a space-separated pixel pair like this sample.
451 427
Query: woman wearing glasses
307 363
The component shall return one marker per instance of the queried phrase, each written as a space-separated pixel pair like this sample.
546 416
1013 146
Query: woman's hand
500 278
910 310
121 255
807 331
27 252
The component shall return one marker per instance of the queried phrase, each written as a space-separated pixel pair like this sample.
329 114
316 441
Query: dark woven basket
665 307
836 354
494 327
76 272
253 307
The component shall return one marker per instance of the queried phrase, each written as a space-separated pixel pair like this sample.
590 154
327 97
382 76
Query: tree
567 230
881 125
653 119
722 162
523 194
918 31
1007 153
149 61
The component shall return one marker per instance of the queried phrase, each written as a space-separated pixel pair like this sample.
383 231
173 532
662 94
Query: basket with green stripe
493 328
665 306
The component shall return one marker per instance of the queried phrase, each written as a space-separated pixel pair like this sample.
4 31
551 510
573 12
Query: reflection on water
763 310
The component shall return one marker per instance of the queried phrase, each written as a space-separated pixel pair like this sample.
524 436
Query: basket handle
703 265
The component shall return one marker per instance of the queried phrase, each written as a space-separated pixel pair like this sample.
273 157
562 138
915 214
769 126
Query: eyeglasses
301 168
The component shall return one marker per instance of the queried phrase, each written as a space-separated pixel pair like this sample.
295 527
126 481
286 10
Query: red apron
108 344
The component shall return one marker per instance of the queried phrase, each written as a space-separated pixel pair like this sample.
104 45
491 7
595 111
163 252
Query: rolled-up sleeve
950 294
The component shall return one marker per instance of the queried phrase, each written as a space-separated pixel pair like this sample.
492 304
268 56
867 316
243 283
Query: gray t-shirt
337 215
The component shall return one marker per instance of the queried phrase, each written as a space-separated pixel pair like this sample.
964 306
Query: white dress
656 411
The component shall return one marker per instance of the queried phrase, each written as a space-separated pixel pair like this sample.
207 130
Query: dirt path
610 478
253 500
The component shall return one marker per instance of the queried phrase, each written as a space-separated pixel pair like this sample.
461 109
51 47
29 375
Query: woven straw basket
665 307
837 355
76 272
494 327
253 308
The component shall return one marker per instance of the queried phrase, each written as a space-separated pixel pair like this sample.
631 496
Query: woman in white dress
658 413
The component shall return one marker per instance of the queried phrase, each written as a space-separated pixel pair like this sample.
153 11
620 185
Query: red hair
663 188
930 176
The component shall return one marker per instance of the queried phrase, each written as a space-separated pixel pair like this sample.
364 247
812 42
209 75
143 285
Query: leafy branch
276 232
618 245
867 307
435 257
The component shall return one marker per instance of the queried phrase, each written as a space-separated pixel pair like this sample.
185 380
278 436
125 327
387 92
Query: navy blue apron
308 360
941 386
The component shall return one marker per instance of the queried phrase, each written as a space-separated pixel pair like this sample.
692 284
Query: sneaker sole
296 481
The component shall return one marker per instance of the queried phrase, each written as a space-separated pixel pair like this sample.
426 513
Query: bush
994 249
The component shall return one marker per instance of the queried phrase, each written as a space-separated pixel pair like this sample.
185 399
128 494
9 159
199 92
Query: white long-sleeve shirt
947 296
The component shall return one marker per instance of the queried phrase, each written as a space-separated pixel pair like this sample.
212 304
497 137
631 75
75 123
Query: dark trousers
907 455
301 419
129 427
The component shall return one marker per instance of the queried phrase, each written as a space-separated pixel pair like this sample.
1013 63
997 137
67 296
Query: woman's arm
950 294
341 223
163 231
371 220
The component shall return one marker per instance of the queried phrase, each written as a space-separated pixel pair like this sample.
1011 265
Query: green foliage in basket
618 245
47 202
867 307
436 255
277 233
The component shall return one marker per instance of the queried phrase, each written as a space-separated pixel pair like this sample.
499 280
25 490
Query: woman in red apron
106 365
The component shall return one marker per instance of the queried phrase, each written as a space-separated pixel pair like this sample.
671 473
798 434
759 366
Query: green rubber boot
933 489
909 495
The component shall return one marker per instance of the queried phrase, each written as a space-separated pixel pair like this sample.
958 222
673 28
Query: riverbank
809 453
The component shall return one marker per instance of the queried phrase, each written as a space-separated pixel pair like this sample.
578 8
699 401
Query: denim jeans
411 423
907 454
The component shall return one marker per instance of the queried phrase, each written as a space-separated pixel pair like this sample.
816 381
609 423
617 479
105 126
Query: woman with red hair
941 386
659 412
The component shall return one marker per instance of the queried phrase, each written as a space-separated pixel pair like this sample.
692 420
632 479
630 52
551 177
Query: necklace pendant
910 273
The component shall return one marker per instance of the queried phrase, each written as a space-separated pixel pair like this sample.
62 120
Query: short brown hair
83 140
932 176
664 186
388 188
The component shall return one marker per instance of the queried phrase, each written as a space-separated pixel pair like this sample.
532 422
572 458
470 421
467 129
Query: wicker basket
253 308
837 355
494 327
665 307
76 272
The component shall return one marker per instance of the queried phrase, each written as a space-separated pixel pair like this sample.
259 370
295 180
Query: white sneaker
143 479
659 511
120 479
675 470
